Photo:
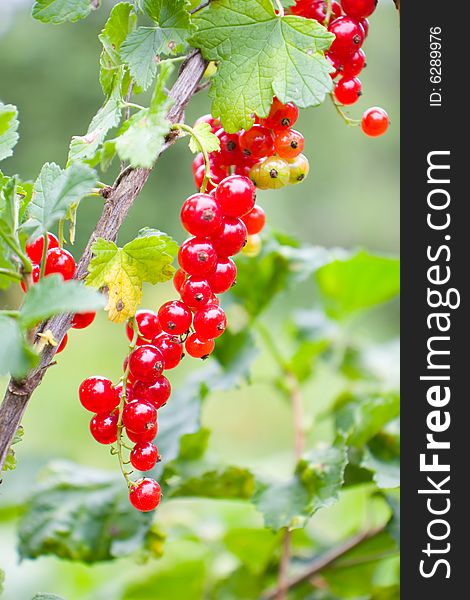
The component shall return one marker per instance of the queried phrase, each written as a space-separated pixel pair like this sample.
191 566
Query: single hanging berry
195 292
138 416
145 495
223 277
104 427
83 320
359 9
144 456
281 116
198 348
147 436
201 215
236 195
230 239
171 349
375 121
60 261
146 363
210 322
348 90
257 142
175 317
254 220
148 324
97 394
35 249
197 256
298 169
156 393
349 36
289 144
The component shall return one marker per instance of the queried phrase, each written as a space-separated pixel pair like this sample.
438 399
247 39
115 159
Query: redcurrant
148 324
197 256
210 322
198 348
348 90
298 169
230 239
359 9
178 279
316 9
354 64
35 249
253 246
145 495
138 416
60 261
257 142
230 153
146 363
144 456
156 394
195 292
223 277
273 173
104 427
281 116
201 215
82 320
375 121
171 349
63 343
289 144
97 394
175 317
236 195
147 436
349 36
254 220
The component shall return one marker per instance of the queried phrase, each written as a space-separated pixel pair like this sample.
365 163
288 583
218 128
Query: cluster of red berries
57 261
270 153
219 223
349 23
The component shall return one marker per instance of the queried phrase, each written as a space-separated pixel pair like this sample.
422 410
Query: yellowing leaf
122 271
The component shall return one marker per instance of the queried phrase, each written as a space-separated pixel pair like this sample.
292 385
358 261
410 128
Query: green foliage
316 484
81 514
59 11
122 271
42 596
142 48
16 356
10 462
203 139
261 55
55 191
53 296
8 129
359 282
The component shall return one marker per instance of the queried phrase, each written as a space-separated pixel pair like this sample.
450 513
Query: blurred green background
349 200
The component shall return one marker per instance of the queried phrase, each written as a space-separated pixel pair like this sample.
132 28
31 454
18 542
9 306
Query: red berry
289 144
316 9
210 322
171 349
82 320
156 394
257 142
375 121
145 495
138 416
195 292
148 324
175 317
354 64
198 348
62 344
178 279
197 256
97 394
223 277
348 90
60 261
104 427
201 215
281 116
216 176
35 249
236 195
349 36
230 239
146 363
254 220
364 23
359 9
147 436
214 300
230 153
214 123
144 456
35 275
197 162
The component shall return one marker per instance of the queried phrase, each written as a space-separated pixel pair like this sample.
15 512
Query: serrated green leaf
260 56
141 49
53 296
204 139
81 514
16 357
223 482
120 23
382 458
144 134
316 483
9 218
109 116
8 129
60 11
359 282
124 270
10 461
55 190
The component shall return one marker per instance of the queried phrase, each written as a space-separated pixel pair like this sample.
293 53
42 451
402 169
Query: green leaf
235 353
9 217
393 526
120 23
109 116
142 48
147 258
316 483
260 56
362 418
53 296
42 596
359 282
144 134
224 482
206 140
16 356
8 129
2 580
60 11
81 514
382 457
54 192
10 461
254 547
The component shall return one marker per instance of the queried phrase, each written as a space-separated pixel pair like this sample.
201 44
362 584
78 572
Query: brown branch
324 561
119 200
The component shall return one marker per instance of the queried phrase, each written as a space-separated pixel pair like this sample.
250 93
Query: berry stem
119 442
10 273
45 247
15 247
133 105
61 233
197 139
329 11
343 115
14 314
